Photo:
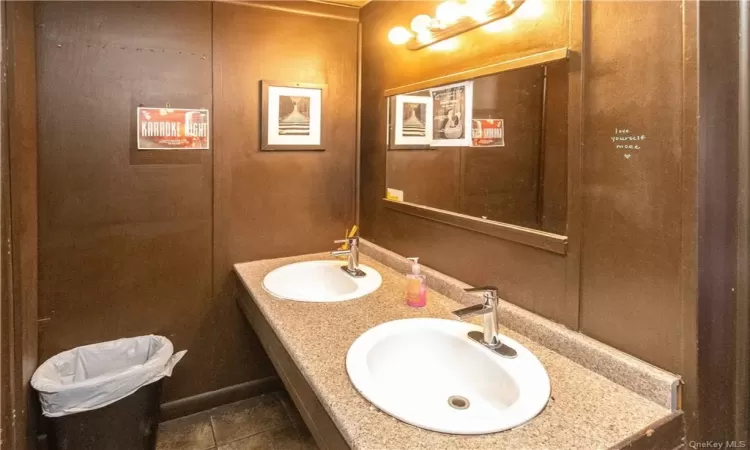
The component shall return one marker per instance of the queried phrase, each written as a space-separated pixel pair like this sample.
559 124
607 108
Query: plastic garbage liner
105 395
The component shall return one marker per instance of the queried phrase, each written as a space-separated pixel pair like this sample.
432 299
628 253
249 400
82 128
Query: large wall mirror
491 148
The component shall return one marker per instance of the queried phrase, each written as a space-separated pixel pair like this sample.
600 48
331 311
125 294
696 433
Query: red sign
170 129
488 133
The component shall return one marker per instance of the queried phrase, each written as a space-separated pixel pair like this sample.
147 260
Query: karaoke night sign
172 129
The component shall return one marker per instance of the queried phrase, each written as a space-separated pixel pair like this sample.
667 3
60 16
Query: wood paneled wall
719 166
124 249
632 240
273 204
18 206
143 242
635 269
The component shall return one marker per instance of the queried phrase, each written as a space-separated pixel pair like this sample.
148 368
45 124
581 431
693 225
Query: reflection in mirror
506 161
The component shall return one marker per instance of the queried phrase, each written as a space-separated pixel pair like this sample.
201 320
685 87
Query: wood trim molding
554 243
353 5
358 132
742 389
22 153
207 400
518 63
579 33
315 9
666 433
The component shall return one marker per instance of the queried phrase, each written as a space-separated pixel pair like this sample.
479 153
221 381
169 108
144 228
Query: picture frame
412 122
167 128
488 133
292 116
452 114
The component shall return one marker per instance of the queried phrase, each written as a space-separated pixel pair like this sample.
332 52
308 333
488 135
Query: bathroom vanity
600 397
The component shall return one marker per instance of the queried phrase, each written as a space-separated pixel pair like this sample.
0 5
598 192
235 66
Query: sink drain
458 402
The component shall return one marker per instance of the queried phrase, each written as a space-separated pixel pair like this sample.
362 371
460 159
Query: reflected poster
451 107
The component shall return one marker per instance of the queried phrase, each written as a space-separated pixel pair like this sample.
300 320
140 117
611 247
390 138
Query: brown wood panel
21 304
127 238
6 293
718 220
742 408
470 256
630 296
272 204
125 247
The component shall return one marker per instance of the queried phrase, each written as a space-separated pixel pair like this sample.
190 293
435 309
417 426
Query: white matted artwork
292 117
412 121
452 108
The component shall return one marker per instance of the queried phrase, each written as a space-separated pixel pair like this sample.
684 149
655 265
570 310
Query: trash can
106 395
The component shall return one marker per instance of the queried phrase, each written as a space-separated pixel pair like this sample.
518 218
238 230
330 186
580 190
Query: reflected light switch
395 195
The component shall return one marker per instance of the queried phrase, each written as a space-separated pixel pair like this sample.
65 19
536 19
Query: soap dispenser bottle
416 286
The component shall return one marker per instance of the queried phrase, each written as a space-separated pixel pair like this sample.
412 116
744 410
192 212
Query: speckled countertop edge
587 410
639 376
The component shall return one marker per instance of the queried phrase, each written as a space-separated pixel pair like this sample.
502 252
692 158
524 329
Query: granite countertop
586 410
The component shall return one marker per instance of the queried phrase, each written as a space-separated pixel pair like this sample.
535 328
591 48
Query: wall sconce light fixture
454 17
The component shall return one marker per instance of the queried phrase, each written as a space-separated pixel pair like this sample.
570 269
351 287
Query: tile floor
269 421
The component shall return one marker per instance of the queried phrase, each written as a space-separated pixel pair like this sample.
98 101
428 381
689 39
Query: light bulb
399 35
424 37
449 12
499 25
478 9
531 9
420 23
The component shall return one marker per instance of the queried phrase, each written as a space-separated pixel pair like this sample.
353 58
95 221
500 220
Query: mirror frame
555 243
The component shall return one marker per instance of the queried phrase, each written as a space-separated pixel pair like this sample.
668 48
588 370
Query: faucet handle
349 240
489 294
486 289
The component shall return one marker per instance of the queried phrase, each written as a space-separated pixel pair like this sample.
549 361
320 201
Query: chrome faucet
352 265
488 310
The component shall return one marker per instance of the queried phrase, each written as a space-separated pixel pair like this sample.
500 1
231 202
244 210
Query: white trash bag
94 376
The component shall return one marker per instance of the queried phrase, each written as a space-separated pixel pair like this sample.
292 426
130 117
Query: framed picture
292 116
412 122
488 133
172 129
452 110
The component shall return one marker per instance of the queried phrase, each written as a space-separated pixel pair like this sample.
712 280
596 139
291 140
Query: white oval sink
428 373
320 281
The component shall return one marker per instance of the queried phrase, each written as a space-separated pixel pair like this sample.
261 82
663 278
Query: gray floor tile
293 413
284 438
260 441
247 418
289 438
186 433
